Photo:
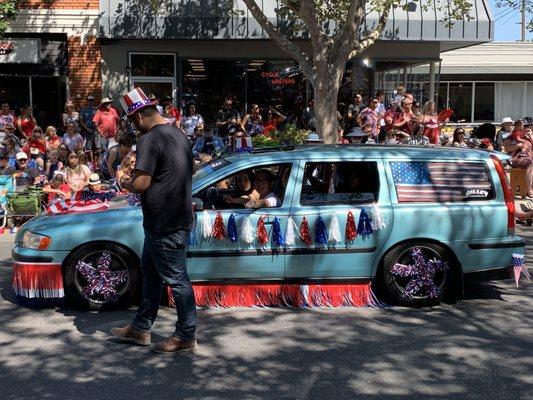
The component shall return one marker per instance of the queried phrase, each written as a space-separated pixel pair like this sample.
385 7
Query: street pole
523 39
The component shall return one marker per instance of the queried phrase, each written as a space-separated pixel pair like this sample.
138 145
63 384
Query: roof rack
271 149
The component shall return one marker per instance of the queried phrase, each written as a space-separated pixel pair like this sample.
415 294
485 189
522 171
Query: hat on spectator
90 97
135 101
313 137
21 156
357 132
94 179
507 120
106 100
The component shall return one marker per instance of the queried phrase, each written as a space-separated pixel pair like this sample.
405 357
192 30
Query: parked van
412 221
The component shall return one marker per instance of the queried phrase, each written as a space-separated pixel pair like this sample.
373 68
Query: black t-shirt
225 115
24 177
164 153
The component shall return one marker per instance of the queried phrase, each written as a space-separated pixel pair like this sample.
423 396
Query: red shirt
517 134
64 188
27 124
36 144
107 121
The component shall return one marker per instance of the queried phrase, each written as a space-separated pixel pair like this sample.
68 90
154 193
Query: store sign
276 79
20 51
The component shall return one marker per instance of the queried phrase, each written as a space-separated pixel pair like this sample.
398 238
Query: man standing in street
354 110
107 122
88 127
163 176
228 119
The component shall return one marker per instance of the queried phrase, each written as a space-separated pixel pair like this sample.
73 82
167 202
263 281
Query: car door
211 259
347 259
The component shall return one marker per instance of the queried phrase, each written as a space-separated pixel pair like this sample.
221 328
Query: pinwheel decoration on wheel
421 272
101 282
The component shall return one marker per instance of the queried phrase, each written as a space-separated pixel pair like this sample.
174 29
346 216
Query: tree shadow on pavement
467 350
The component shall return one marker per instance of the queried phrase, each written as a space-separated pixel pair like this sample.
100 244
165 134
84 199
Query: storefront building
482 83
202 52
50 53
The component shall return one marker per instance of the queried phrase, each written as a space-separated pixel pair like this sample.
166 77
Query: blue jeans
164 260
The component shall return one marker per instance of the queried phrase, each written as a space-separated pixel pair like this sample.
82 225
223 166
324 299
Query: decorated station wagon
342 223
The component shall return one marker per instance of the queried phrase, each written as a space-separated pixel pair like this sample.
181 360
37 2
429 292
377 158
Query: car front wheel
101 276
418 274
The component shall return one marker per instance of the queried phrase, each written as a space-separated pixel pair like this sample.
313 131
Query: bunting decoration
304 232
290 238
277 236
262 234
378 222
219 230
321 234
519 268
364 227
351 231
232 229
334 230
207 225
246 231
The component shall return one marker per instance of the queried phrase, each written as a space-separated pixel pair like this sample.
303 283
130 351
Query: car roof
362 151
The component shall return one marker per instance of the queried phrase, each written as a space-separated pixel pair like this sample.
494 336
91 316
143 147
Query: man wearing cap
503 133
23 175
88 127
107 122
163 177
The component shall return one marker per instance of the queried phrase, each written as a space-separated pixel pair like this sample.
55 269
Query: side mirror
198 204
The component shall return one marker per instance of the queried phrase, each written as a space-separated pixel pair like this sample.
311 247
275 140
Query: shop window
162 65
339 183
460 100
236 190
484 102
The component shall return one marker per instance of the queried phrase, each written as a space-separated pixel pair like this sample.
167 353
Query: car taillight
507 194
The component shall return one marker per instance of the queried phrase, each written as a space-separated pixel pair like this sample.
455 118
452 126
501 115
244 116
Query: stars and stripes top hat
135 100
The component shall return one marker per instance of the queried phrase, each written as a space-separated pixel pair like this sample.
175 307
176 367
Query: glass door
161 87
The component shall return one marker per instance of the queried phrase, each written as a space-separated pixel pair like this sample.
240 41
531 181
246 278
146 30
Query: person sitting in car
24 176
244 192
263 184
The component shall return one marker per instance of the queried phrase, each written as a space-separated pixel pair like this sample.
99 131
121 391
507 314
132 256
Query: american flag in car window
430 182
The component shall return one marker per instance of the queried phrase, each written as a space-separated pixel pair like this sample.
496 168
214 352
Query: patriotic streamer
351 231
378 222
304 232
364 227
277 235
321 233
519 268
76 206
246 231
290 238
262 233
232 229
334 230
207 225
219 229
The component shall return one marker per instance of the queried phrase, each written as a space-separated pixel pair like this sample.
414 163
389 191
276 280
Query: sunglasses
63 148
23 160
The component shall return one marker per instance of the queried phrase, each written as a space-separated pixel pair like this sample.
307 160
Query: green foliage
8 12
290 135
511 6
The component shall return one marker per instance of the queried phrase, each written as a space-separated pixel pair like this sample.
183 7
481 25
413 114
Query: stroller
24 205
7 185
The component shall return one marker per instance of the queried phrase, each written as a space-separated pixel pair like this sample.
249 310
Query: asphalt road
479 348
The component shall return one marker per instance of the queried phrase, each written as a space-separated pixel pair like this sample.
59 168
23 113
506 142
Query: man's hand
138 183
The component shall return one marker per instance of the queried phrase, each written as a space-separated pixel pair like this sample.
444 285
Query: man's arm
138 183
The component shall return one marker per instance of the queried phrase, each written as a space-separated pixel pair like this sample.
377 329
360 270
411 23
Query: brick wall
64 4
85 77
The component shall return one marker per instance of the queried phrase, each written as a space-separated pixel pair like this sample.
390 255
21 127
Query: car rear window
441 182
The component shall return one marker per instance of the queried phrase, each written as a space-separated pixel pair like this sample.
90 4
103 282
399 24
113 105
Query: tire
394 285
125 287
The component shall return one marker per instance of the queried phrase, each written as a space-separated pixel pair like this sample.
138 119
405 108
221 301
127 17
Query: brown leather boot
131 334
175 344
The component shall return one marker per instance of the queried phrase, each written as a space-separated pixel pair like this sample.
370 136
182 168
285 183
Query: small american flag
76 206
519 267
424 182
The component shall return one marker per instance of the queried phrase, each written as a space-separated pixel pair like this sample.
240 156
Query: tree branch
356 13
318 37
283 42
367 41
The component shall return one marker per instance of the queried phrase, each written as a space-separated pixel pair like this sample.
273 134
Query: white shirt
189 123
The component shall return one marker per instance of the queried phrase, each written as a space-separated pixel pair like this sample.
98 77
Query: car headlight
35 241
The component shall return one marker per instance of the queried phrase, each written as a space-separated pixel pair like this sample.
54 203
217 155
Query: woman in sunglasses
62 153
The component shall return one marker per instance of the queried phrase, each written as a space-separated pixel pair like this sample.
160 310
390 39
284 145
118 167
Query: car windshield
209 168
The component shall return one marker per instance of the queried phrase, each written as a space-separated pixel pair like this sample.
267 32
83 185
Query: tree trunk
326 91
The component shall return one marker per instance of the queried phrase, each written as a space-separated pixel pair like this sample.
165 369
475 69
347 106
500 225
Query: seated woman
125 169
263 184
244 192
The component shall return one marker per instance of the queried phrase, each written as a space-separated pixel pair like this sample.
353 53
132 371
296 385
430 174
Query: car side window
332 183
258 187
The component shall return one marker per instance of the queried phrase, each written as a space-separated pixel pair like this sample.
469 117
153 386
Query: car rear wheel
418 274
101 276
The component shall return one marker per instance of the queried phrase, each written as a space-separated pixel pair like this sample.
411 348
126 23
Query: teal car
407 222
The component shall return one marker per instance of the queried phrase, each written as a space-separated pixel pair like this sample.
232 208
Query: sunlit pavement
479 348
